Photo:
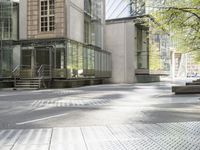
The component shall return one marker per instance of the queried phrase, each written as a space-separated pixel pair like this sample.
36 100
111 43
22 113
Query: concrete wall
121 42
23 19
75 21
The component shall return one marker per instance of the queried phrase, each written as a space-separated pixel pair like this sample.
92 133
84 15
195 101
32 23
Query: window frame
50 27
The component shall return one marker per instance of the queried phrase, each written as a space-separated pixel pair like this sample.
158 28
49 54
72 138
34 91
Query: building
61 40
141 53
9 16
128 41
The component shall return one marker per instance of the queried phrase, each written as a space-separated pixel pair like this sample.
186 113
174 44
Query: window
47 15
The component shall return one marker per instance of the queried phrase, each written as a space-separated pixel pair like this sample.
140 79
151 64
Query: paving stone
67 139
105 145
9 137
5 147
35 137
97 133
68 147
30 147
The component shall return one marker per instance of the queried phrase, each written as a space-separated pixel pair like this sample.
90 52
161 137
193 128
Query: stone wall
33 20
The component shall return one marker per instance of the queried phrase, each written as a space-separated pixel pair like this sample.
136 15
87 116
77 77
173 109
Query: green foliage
154 57
182 19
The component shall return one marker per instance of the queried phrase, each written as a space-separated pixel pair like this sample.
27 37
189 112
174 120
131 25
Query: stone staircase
33 83
190 88
27 78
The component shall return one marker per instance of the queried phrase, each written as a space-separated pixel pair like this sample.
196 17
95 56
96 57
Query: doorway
33 59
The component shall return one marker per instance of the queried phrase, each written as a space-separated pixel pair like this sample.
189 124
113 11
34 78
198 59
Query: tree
182 19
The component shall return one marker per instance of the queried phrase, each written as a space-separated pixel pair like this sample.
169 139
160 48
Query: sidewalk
163 136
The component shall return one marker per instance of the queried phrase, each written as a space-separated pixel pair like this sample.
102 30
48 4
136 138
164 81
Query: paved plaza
102 117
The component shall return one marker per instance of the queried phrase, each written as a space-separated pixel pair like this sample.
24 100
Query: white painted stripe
41 119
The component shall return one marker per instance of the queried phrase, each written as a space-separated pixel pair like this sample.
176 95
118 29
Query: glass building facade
93 22
67 59
8 34
63 57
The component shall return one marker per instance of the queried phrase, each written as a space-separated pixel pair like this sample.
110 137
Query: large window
6 9
142 49
47 15
86 61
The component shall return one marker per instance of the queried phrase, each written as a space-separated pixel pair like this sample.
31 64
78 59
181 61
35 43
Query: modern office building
61 40
128 41
141 55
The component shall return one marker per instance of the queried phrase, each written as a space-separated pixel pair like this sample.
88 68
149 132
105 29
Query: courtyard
101 117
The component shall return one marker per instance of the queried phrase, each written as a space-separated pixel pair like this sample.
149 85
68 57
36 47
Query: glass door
27 66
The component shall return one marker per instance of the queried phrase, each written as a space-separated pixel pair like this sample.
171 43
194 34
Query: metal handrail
42 70
15 69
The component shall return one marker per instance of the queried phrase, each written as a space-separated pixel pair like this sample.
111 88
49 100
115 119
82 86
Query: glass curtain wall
142 49
94 17
69 59
137 7
87 61
8 33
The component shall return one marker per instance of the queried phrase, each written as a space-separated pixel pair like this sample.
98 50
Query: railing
44 71
23 71
26 71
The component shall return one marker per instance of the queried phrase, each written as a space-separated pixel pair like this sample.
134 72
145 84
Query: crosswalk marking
69 103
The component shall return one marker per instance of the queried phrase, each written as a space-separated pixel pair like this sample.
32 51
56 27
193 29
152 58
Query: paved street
103 117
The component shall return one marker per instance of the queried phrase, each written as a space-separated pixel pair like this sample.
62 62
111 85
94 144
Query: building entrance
36 62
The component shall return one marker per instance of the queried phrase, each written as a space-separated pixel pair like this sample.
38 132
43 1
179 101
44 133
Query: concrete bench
193 83
189 89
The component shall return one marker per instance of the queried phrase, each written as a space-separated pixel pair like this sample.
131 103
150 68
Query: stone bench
193 83
189 89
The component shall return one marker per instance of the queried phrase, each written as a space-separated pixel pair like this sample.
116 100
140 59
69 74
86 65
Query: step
24 88
26 85
27 82
189 89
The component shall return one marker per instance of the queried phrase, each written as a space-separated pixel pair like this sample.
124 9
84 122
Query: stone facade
33 20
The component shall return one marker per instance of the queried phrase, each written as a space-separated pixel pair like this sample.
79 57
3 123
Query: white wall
76 20
121 42
16 56
23 20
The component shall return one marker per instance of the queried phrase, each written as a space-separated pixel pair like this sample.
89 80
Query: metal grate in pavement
176 143
126 132
180 130
192 127
105 145
152 130
141 144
